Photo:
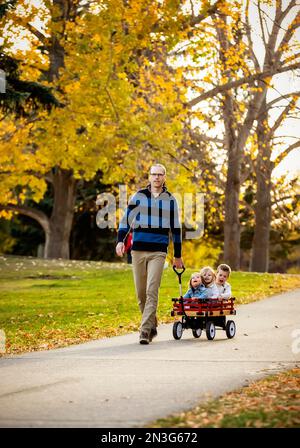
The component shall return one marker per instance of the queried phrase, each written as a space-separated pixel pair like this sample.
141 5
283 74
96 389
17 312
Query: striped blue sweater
152 219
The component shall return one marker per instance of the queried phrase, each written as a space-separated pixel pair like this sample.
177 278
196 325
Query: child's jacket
200 293
224 290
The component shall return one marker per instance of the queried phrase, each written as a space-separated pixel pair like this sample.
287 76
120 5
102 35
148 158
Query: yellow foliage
198 254
105 114
6 214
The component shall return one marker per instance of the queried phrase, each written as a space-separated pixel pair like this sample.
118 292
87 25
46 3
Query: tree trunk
58 227
232 189
262 209
260 246
57 243
58 237
235 149
232 222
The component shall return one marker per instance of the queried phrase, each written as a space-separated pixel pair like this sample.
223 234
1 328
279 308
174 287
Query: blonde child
224 288
208 278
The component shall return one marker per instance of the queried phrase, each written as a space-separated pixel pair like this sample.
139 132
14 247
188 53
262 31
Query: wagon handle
179 273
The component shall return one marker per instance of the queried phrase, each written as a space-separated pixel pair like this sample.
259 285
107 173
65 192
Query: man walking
152 213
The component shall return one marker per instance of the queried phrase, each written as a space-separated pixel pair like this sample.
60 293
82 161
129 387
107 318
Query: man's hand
178 263
120 249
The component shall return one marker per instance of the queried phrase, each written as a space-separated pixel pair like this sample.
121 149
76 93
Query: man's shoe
153 334
144 338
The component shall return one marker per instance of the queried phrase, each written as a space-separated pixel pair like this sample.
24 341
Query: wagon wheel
210 330
197 332
230 329
177 330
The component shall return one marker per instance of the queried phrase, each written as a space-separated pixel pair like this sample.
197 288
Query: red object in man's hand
128 242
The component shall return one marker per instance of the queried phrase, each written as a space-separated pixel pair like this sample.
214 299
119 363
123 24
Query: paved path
119 383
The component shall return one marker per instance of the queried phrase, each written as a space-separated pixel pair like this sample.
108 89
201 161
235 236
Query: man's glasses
156 174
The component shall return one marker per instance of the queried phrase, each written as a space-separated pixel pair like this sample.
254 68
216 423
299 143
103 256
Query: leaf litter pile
273 402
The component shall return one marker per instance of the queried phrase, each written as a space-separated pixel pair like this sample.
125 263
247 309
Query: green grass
273 402
52 303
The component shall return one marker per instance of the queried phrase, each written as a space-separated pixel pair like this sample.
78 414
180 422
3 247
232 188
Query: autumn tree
239 86
87 57
121 101
280 50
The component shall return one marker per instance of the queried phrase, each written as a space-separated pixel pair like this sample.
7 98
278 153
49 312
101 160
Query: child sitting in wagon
196 289
202 285
224 288
208 278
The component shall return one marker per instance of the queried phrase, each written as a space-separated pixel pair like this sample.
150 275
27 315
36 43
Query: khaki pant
147 272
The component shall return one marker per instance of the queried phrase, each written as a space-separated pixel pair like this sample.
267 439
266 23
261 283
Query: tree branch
205 138
270 60
239 82
179 162
276 202
288 35
37 215
261 24
190 21
281 117
211 10
297 196
49 177
249 37
36 33
285 153
282 97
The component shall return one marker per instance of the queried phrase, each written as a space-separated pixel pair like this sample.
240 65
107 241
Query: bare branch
271 57
36 33
250 42
284 136
283 210
261 21
285 153
282 97
281 117
288 35
239 82
192 8
291 58
284 198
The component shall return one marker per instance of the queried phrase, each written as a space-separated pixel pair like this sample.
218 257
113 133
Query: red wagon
199 314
